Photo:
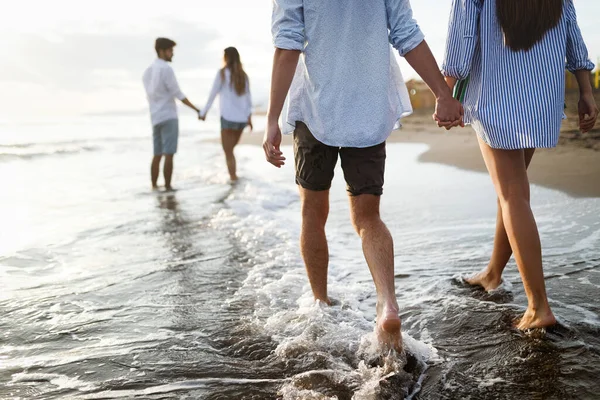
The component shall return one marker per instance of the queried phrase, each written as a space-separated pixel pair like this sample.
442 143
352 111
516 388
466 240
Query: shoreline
573 167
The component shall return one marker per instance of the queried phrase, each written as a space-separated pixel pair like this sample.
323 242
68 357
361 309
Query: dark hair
238 75
163 44
526 22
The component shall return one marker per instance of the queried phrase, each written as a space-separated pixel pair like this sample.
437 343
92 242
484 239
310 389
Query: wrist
586 91
272 119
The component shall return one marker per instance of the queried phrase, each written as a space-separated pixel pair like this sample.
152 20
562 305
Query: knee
315 217
513 193
365 219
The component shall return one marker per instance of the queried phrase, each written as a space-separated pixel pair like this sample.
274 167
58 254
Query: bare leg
313 242
491 277
168 171
378 248
154 170
509 174
229 139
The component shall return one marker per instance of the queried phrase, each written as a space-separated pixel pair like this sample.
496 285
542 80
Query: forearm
583 80
284 68
190 105
423 62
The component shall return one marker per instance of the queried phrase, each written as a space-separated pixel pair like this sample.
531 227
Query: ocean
110 290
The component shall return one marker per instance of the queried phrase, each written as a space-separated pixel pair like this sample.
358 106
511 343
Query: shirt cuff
407 45
455 71
180 96
580 65
289 41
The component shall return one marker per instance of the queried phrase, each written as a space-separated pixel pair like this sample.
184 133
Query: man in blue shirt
346 94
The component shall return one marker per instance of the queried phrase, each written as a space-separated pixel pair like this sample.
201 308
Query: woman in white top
233 86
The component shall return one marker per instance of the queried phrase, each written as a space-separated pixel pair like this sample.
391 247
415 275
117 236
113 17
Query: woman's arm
578 63
249 102
216 88
463 34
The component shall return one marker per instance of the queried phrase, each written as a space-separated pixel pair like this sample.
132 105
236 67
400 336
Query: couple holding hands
231 84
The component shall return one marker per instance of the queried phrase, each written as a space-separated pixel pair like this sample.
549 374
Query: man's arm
173 87
284 68
448 111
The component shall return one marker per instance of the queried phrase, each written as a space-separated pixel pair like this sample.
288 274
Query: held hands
447 115
588 112
448 112
271 144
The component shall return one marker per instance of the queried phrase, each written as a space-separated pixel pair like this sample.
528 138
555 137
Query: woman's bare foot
536 319
388 327
486 279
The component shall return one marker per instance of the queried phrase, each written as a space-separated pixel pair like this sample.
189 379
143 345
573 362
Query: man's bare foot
154 187
169 189
327 301
233 178
536 319
388 327
486 280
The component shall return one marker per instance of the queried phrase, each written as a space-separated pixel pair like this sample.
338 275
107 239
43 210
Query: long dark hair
526 22
238 75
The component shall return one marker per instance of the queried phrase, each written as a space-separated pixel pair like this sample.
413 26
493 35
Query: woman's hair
525 22
238 76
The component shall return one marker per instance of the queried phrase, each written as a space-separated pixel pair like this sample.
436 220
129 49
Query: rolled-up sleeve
172 84
463 34
405 34
577 52
288 24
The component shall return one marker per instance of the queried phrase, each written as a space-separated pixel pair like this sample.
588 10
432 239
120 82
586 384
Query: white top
234 108
348 88
161 89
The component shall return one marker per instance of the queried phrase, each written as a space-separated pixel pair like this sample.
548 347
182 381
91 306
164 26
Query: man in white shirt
162 89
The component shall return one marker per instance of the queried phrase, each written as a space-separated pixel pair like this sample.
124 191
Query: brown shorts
315 163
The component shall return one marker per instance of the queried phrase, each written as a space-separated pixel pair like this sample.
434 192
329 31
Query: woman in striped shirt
512 55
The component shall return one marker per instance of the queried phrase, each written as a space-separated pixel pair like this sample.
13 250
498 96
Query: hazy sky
72 57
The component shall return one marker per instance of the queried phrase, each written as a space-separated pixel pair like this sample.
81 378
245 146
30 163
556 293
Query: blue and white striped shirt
513 100
348 88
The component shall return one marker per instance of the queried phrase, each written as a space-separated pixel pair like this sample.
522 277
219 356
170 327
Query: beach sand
572 167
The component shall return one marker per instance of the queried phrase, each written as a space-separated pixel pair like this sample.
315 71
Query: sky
72 57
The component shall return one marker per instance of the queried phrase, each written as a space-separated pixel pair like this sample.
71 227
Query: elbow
457 72
407 43
292 41
580 65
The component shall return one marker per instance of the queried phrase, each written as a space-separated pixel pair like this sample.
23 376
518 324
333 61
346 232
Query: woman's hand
250 123
588 112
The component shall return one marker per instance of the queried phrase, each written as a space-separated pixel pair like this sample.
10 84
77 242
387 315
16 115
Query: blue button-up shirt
348 88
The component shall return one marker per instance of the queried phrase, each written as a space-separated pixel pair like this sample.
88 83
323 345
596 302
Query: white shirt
348 88
161 89
234 108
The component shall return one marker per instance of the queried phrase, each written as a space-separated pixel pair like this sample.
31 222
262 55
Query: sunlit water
108 290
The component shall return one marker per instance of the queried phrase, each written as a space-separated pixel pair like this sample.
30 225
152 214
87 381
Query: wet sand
573 167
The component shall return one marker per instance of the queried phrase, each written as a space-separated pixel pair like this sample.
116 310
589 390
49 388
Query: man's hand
271 144
448 112
250 123
588 112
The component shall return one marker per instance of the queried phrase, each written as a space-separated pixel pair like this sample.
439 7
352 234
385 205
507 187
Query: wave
31 151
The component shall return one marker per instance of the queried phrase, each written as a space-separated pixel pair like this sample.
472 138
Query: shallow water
108 290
